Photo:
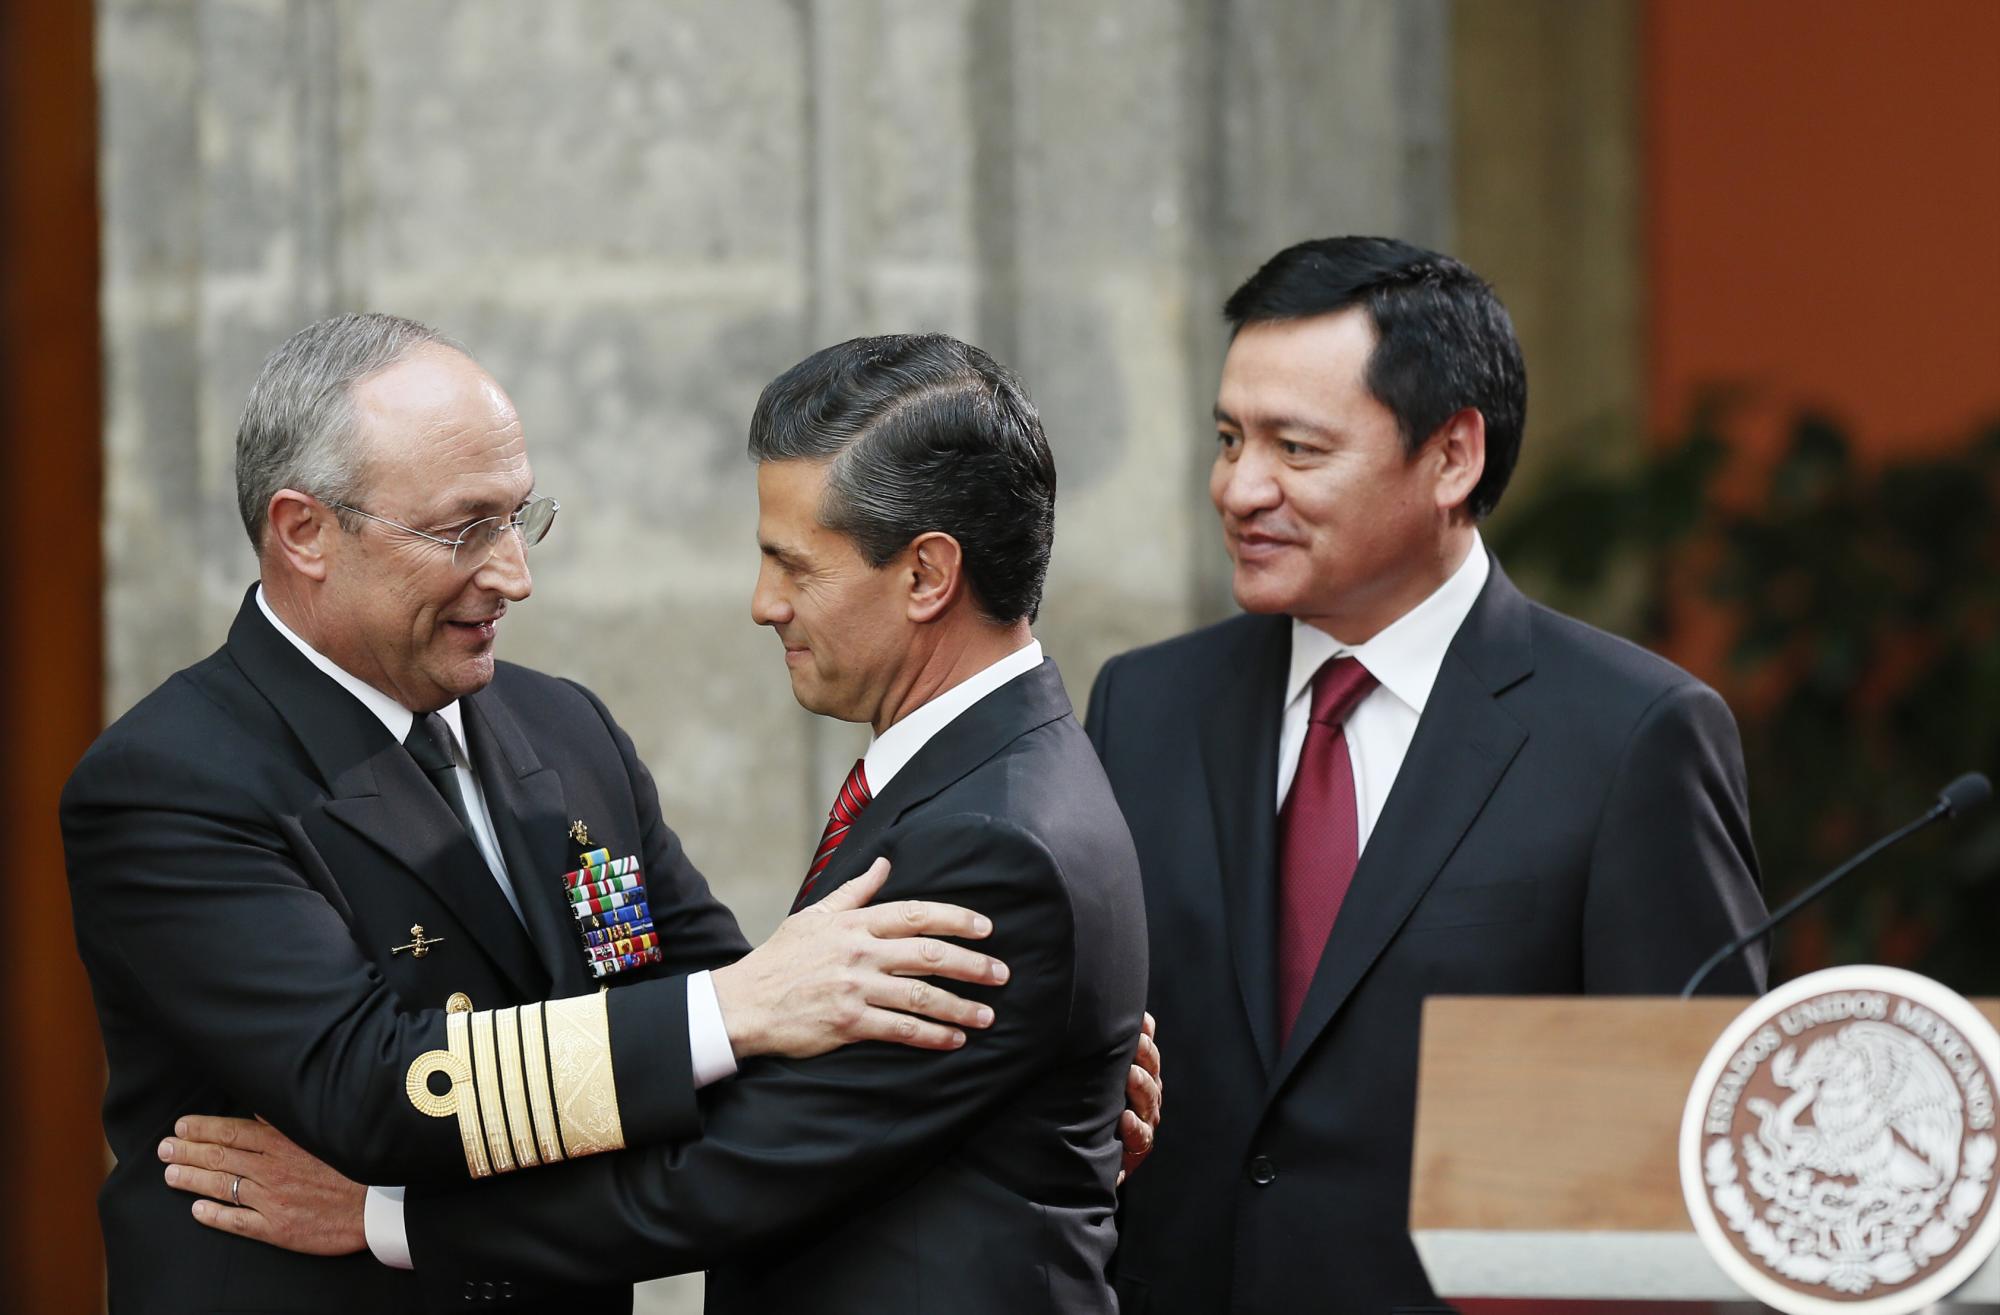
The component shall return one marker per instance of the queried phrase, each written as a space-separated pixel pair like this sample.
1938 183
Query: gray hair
297 430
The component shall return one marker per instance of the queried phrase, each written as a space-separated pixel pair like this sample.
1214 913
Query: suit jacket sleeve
789 1145
1673 873
191 892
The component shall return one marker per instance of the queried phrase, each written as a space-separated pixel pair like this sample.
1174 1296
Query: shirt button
1262 1171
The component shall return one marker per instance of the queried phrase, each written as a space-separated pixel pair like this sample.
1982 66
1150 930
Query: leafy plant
1860 609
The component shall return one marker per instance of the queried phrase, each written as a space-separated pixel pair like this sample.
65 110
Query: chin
470 677
1257 593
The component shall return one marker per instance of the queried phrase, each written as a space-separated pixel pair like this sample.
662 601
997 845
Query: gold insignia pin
579 832
420 944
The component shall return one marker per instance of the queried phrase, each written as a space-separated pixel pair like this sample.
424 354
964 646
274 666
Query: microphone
1960 797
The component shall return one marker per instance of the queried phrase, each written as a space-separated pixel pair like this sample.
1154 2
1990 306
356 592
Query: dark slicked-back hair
1443 341
924 433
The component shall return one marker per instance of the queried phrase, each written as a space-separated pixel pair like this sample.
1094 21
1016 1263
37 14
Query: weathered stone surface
637 213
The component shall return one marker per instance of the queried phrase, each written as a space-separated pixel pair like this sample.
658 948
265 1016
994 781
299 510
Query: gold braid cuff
586 1095
528 1086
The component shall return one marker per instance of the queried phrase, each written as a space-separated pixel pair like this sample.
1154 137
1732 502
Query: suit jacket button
1262 1171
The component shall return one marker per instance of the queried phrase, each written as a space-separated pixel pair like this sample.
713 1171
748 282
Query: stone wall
635 213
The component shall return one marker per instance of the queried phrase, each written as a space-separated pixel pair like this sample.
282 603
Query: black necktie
429 742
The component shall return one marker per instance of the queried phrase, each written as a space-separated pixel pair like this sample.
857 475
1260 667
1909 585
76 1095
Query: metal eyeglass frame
515 522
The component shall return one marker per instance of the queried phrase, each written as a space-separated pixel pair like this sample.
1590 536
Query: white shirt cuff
382 1222
708 1038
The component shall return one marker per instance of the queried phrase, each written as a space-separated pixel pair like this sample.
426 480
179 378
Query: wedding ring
235 1190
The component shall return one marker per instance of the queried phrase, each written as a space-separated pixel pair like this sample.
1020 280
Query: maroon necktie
1319 835
847 806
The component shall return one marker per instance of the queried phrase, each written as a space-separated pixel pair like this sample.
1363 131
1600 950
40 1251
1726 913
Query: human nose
768 604
1244 483
505 570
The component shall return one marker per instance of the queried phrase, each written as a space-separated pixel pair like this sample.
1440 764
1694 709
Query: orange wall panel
1823 211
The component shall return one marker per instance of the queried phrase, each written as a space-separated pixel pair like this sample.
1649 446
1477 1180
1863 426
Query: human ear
936 566
1459 449
296 526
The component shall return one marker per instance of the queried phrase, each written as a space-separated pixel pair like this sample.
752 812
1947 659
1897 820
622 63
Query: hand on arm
841 972
256 1182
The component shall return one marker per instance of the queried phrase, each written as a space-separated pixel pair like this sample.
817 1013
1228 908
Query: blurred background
1750 251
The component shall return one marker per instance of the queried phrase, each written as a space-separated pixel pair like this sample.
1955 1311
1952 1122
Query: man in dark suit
285 860
1396 777
906 509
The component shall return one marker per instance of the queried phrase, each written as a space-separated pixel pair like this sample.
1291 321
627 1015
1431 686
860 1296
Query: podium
1545 1172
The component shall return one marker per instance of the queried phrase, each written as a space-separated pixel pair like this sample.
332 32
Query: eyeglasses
474 544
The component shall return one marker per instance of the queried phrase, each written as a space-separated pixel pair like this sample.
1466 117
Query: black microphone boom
1960 797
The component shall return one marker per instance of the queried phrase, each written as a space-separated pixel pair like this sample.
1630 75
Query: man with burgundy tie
1394 777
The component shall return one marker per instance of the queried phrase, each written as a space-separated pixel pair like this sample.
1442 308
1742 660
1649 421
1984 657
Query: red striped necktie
847 806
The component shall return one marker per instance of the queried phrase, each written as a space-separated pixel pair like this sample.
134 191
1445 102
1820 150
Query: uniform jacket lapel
1463 745
531 820
1239 737
1032 699
376 789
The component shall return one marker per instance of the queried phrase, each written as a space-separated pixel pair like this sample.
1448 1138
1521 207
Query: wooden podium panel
1546 1164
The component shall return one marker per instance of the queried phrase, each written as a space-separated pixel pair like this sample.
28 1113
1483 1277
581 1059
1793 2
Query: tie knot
1340 684
854 795
429 742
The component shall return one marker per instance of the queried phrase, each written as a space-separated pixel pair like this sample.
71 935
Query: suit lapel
1464 743
531 820
377 790
1032 699
1239 757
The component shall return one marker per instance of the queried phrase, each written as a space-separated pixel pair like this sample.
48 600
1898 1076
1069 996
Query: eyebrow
1279 422
782 555
466 509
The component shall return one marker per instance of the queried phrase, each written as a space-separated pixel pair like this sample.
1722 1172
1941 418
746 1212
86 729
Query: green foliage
1862 605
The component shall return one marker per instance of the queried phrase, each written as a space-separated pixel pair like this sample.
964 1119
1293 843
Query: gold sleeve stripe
457 1038
514 1087
541 1103
586 1096
486 1073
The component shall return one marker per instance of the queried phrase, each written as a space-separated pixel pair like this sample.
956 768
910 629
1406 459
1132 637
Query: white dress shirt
708 1038
1404 659
382 1214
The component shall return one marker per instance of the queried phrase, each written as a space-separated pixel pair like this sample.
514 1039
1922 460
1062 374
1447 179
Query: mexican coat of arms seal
1837 1150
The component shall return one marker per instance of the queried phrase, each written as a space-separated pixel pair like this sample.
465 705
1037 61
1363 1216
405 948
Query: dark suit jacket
877 1178
244 847
1570 818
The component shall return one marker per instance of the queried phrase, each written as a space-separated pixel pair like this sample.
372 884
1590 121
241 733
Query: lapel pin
579 832
420 945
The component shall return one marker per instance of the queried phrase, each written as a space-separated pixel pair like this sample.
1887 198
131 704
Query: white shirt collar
395 718
894 747
1404 658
